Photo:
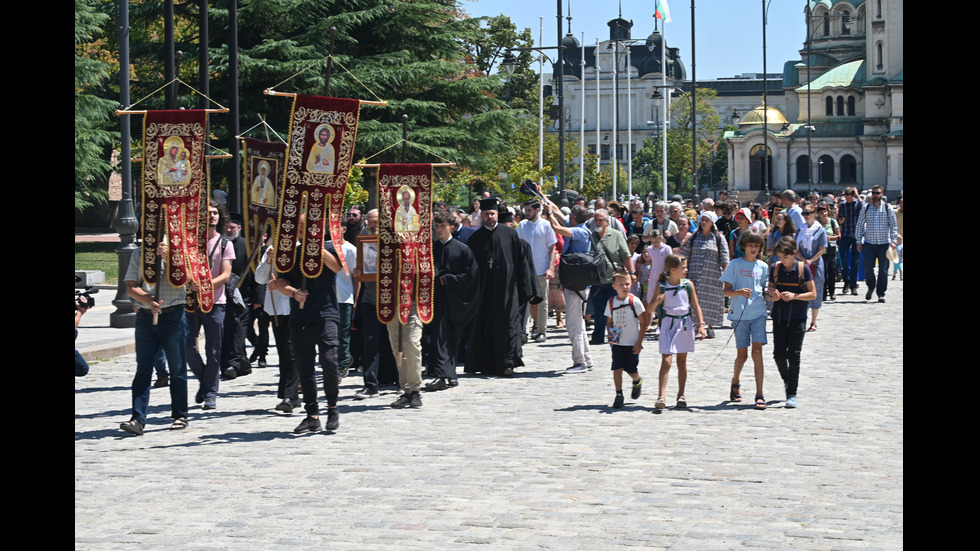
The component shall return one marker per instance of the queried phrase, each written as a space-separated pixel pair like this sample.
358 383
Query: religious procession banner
321 146
264 166
405 269
175 186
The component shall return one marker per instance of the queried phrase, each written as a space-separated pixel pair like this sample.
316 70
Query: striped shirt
849 212
877 225
169 295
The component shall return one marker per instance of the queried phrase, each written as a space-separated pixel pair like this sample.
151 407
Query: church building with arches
844 109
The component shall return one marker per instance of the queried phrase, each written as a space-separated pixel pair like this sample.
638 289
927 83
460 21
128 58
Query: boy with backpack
627 323
791 287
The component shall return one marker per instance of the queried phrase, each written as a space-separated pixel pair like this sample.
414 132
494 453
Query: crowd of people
672 269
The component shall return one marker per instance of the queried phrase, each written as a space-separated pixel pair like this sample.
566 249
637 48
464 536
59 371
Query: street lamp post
510 63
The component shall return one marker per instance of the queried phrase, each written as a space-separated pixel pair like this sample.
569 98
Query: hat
505 216
490 203
709 215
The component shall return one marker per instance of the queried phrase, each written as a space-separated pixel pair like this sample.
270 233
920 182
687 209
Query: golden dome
755 116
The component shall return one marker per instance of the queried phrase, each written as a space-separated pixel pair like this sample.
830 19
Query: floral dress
705 263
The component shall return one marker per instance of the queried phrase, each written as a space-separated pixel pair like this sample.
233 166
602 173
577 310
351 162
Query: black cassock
506 283
453 306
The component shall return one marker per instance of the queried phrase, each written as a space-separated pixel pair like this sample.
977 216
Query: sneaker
791 402
162 381
437 384
415 400
637 388
262 364
210 403
366 393
403 401
540 337
881 300
577 368
310 424
867 296
661 403
287 406
854 291
618 402
333 419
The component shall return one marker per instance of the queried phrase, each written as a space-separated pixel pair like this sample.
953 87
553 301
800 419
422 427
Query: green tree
487 49
680 158
93 113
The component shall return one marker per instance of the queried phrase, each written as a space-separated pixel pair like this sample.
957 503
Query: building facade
843 115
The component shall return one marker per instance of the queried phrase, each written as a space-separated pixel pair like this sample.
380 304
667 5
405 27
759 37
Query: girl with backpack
790 287
676 303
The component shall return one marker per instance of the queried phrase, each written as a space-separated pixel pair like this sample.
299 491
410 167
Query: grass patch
98 256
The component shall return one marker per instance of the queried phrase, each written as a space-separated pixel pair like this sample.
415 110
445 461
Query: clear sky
729 32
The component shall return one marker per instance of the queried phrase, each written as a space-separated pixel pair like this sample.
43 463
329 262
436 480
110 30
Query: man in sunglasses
878 227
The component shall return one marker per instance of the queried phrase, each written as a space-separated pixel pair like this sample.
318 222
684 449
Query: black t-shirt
789 280
322 300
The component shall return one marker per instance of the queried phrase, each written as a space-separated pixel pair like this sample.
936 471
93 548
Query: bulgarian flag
662 11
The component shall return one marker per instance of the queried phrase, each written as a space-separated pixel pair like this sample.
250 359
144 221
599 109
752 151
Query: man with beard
234 359
354 224
878 227
220 256
495 343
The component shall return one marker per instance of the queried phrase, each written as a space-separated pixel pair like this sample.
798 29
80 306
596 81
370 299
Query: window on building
802 169
848 169
605 152
826 170
878 8
879 56
830 106
592 150
851 106
845 22
840 106
826 24
619 151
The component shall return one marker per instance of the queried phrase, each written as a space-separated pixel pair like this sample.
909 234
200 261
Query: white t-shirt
345 283
622 324
542 239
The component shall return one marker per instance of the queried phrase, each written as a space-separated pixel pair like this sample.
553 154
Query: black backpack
578 271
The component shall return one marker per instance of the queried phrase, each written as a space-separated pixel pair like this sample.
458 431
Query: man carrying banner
220 255
166 302
313 323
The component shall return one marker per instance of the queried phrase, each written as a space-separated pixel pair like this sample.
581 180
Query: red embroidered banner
175 184
405 270
263 169
321 145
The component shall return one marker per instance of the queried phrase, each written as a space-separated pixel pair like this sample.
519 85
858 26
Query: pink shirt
216 259
657 257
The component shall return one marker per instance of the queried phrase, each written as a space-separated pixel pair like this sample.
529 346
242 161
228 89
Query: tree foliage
680 155
93 113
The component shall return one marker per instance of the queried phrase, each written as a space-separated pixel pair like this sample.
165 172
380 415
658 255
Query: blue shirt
580 241
742 274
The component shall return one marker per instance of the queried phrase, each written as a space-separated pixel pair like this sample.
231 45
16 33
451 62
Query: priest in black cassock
453 307
503 288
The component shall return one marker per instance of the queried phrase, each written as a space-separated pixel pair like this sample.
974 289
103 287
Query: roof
846 75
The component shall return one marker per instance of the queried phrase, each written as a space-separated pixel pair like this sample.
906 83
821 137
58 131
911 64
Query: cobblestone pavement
540 461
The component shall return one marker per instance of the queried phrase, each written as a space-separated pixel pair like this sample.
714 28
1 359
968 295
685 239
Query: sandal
760 402
661 403
681 403
734 395
179 424
812 328
132 427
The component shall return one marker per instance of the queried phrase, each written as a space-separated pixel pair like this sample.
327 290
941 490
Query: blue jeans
849 257
208 374
599 297
168 335
879 253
